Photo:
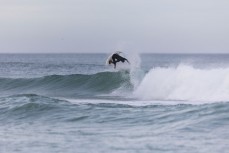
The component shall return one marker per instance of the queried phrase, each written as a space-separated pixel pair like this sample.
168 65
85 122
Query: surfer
117 58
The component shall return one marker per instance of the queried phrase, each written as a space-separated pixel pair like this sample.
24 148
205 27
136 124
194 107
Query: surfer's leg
114 61
113 58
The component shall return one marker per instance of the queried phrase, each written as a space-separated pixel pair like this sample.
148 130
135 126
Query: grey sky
157 26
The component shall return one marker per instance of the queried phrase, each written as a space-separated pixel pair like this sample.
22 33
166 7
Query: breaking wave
182 83
185 83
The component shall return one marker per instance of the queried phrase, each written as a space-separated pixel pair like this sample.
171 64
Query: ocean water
74 103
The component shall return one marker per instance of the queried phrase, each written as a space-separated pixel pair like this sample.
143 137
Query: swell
59 85
32 107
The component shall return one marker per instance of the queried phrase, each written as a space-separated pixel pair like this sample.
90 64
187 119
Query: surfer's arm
127 61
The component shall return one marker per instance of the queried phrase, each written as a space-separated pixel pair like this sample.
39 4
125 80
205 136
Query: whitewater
76 103
185 83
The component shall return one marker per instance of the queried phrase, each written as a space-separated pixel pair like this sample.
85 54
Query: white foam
136 73
185 83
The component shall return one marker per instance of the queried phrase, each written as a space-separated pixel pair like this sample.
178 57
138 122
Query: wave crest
185 83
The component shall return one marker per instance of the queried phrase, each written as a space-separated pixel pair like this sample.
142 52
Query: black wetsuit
117 58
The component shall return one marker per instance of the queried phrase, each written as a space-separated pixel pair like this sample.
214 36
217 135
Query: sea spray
136 73
132 72
185 83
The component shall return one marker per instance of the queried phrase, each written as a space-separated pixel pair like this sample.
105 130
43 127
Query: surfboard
110 57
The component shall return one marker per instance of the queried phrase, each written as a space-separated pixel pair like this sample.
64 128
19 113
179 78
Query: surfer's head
110 61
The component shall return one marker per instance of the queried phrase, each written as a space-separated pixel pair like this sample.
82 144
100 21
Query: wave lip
185 83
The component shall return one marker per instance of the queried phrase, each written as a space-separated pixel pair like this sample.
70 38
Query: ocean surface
74 103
